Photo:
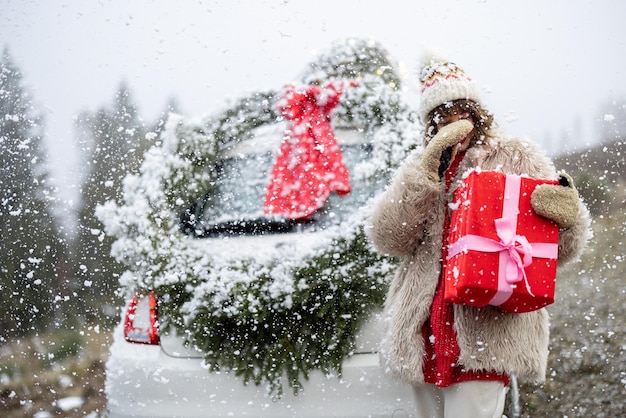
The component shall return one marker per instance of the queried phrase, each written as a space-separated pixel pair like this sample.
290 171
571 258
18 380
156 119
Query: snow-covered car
153 373
234 309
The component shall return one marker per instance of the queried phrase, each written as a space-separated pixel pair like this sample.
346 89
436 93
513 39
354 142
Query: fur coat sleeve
399 219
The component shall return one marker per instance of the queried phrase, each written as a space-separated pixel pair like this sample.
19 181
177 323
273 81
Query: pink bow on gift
519 250
516 253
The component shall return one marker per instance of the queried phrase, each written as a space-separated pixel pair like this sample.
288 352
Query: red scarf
440 340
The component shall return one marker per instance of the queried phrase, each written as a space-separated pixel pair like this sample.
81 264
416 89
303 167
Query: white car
152 373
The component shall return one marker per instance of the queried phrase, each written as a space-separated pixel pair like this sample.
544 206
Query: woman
459 358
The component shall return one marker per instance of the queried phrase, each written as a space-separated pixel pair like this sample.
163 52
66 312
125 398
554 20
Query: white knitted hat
443 81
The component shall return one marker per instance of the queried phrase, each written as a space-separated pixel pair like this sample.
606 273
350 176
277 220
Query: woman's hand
448 136
559 203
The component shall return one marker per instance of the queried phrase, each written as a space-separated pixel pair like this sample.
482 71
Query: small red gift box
500 252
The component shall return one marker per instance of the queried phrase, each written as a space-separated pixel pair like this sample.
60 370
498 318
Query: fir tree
113 142
30 248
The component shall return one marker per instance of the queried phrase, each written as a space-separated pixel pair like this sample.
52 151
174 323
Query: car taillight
141 323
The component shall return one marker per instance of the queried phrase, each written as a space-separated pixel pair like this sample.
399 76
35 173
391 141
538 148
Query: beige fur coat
407 222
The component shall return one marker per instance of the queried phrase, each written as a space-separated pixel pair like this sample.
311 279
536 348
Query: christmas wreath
275 316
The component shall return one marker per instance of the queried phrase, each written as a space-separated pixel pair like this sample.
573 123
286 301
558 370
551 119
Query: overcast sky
544 66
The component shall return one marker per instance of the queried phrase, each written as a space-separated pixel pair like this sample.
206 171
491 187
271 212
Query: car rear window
235 205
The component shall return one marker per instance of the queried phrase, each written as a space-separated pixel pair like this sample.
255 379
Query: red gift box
500 252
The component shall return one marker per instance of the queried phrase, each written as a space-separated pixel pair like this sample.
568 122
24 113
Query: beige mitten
447 136
558 203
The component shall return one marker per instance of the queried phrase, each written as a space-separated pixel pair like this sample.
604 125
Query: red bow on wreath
309 165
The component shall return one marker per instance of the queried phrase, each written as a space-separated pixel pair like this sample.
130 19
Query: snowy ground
59 373
587 364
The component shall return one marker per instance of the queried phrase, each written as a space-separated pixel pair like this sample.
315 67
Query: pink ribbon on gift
516 252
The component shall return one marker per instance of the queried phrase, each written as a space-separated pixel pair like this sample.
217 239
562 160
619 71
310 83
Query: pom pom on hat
443 81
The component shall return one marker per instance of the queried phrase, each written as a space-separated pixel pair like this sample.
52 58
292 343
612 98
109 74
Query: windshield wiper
258 226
